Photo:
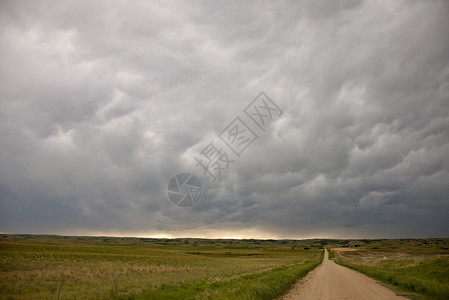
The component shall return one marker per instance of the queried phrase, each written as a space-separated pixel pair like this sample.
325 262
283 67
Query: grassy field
418 267
31 267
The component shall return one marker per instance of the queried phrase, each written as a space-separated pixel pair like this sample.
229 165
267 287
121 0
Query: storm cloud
102 102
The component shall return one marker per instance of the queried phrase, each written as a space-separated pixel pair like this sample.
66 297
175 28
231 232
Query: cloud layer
102 103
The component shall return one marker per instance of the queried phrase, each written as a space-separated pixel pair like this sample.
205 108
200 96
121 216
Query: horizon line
217 238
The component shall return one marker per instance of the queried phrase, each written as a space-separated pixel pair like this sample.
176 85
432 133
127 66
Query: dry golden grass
32 268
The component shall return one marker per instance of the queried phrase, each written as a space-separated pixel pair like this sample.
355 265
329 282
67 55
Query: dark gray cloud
102 103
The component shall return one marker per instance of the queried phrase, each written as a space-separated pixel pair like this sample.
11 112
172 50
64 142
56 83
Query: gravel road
332 281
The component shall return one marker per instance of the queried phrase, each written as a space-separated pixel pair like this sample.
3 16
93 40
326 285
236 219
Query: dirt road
332 281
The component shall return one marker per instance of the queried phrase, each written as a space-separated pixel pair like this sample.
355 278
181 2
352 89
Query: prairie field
33 266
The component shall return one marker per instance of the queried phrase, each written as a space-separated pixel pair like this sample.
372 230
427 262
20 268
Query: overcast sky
102 102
